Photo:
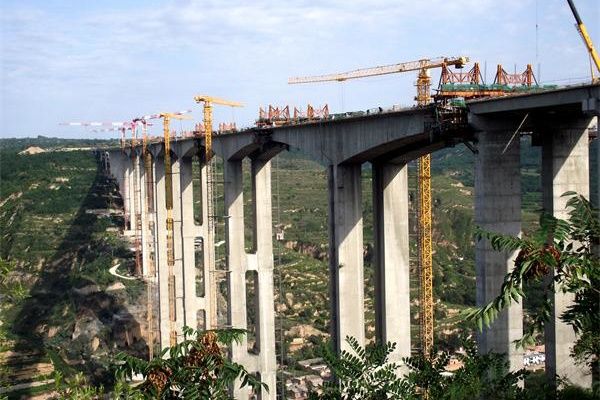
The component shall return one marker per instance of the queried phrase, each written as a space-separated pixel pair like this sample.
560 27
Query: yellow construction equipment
423 98
587 40
169 206
210 232
418 65
208 102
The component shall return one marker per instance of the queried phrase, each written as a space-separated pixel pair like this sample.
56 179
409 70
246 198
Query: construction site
202 215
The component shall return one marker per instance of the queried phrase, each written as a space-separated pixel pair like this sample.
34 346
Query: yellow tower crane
169 206
423 98
208 102
587 40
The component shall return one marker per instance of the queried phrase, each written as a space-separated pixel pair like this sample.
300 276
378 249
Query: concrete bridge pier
147 218
565 167
137 202
391 245
121 173
259 262
161 251
189 308
178 242
130 198
198 308
498 209
346 255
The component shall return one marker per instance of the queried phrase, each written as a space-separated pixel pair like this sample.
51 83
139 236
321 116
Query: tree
483 376
564 250
366 373
196 368
362 374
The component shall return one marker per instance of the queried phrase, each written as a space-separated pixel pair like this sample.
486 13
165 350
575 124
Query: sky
115 60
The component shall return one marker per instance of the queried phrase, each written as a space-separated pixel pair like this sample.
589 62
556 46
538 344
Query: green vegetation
195 368
55 253
366 373
565 250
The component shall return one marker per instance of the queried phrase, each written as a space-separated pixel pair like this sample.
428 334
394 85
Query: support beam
192 302
144 215
178 269
263 236
346 255
498 209
161 251
126 194
565 167
211 286
136 225
131 194
392 269
262 360
236 264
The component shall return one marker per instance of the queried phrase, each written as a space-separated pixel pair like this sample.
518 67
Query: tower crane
166 117
423 98
208 101
587 40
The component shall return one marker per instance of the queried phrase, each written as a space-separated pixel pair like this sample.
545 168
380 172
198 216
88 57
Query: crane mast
210 182
169 222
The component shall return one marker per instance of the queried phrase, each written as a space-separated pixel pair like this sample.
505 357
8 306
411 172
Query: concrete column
131 194
117 170
126 194
236 263
263 237
346 255
161 251
209 301
179 272
565 167
261 260
137 225
150 212
498 209
188 229
144 218
392 270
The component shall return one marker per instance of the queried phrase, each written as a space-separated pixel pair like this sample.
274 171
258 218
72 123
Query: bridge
558 120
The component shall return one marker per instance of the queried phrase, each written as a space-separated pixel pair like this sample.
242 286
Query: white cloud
119 61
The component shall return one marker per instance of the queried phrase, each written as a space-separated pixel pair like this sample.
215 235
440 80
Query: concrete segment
208 242
236 263
263 228
145 218
131 194
191 231
346 255
161 251
498 209
565 167
178 269
261 361
392 269
188 230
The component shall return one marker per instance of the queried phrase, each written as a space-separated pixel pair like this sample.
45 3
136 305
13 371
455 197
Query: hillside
59 239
